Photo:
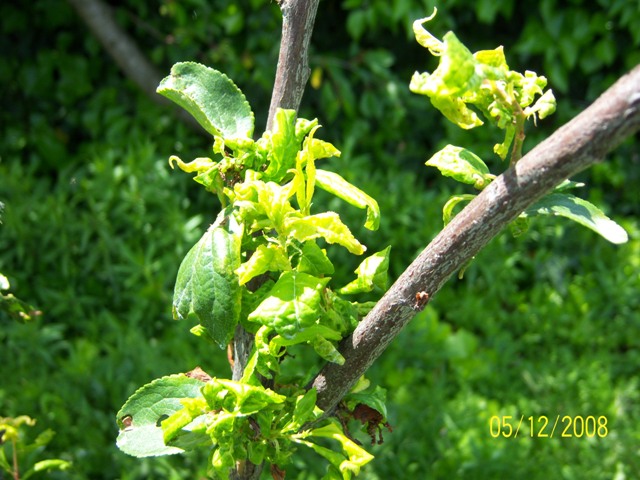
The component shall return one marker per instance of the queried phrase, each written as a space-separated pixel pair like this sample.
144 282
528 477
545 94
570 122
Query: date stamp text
541 426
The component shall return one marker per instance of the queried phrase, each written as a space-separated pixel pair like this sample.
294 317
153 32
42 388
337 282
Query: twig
298 17
292 74
574 147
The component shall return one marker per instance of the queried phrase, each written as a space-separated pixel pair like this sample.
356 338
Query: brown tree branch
298 17
292 73
125 52
574 147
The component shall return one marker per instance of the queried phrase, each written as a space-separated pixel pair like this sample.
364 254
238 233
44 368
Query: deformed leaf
283 145
239 398
327 350
292 304
452 203
266 258
207 288
579 211
314 260
375 398
356 456
338 186
139 418
326 225
461 165
426 39
303 410
372 272
211 98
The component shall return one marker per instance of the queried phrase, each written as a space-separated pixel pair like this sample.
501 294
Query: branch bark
292 74
298 17
574 147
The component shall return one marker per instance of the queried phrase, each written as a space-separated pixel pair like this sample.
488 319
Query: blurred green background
96 224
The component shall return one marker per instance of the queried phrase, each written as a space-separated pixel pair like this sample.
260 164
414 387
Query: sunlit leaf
266 258
139 418
582 212
314 260
425 38
292 304
452 203
210 97
283 145
325 225
372 272
461 165
338 186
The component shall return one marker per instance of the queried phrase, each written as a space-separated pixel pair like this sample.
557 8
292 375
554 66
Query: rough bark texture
572 148
298 17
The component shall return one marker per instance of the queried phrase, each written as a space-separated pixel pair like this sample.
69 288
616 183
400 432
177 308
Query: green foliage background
95 226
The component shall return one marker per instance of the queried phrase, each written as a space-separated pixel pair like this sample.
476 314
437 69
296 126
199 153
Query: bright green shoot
466 87
263 264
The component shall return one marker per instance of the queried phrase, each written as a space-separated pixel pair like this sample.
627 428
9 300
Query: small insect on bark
421 300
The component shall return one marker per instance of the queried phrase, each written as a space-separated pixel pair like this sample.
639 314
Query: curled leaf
582 212
461 165
292 304
333 183
372 272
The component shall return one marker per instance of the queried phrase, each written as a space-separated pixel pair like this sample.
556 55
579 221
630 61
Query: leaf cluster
466 84
18 455
266 230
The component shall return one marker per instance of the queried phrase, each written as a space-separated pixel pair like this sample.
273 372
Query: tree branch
292 73
298 17
574 147
134 64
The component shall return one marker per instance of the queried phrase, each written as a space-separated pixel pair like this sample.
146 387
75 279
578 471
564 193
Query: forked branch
579 144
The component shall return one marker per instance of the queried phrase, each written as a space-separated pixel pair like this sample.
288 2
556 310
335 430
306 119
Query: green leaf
207 288
372 272
46 465
338 186
185 429
352 458
424 38
582 212
314 260
266 258
452 203
447 85
461 165
312 149
292 304
283 145
326 225
239 398
303 411
327 350
375 399
139 418
211 98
